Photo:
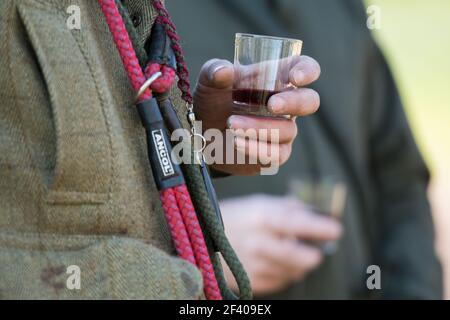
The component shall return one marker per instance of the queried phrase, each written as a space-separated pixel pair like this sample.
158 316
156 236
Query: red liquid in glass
252 97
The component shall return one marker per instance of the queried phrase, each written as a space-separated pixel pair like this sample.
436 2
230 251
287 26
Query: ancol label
163 153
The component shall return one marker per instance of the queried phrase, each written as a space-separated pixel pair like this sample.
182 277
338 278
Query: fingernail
214 71
299 77
229 123
235 122
276 104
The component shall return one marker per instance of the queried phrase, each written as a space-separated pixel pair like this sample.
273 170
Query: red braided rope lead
197 241
123 43
177 227
177 205
183 73
164 83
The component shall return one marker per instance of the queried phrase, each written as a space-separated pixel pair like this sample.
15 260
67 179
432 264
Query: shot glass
262 66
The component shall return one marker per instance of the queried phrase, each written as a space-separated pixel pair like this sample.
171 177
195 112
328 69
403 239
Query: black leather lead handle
211 191
168 112
159 47
166 173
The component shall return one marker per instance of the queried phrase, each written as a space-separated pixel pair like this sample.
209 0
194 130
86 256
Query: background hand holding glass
323 196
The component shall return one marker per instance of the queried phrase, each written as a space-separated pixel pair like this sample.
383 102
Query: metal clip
195 134
202 162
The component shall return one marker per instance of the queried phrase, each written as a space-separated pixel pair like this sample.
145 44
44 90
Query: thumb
217 74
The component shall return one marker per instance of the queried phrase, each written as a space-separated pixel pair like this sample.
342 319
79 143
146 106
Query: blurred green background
415 37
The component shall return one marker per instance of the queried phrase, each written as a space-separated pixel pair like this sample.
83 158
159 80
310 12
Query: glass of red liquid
262 66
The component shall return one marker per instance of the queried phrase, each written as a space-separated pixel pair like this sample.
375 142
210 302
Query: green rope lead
215 230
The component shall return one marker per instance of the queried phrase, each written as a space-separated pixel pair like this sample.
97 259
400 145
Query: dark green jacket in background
359 136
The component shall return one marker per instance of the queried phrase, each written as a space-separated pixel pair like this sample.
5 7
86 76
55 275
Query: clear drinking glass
262 66
326 196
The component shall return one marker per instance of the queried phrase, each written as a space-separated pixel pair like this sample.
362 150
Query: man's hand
267 234
213 105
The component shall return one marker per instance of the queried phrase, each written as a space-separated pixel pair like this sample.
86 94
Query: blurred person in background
359 137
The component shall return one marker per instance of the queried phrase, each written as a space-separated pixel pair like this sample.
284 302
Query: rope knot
164 83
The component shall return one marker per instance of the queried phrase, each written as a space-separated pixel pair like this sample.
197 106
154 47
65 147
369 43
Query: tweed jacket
76 190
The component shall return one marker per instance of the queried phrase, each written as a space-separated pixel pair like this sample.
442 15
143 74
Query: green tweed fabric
137 40
75 185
